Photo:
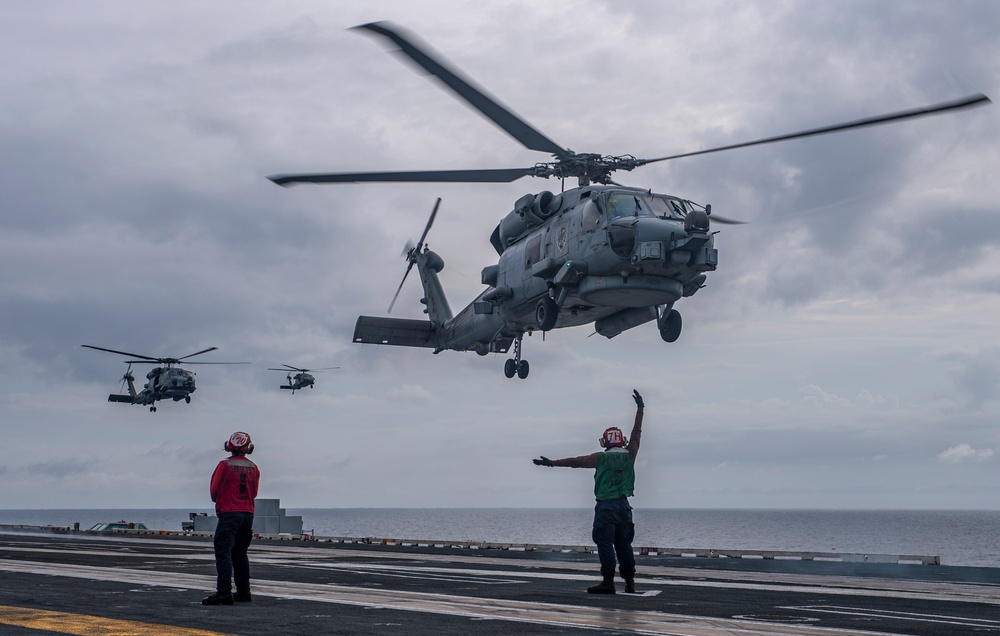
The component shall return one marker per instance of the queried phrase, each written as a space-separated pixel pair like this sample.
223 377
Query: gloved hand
543 461
638 399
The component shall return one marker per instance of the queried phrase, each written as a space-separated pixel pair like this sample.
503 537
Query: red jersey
234 485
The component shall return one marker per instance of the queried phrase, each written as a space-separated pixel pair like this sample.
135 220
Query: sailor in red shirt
234 488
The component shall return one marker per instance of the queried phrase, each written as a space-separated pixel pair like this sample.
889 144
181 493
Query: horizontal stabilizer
399 332
285 386
118 397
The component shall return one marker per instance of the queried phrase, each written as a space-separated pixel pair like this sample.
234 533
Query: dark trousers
613 534
232 538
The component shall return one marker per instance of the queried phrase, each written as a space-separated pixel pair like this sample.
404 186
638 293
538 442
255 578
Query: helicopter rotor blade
188 363
725 220
504 117
969 101
486 175
125 353
409 266
408 248
191 355
430 222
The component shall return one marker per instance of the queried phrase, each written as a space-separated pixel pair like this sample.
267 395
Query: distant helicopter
302 379
609 254
166 382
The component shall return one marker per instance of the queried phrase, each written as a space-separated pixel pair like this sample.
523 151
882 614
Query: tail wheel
509 368
546 313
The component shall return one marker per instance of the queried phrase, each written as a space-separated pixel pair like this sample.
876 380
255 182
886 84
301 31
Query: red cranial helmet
613 438
239 442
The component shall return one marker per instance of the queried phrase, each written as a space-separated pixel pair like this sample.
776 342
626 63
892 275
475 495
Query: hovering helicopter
600 253
166 382
302 379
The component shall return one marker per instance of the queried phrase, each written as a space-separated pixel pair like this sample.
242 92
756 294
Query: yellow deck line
84 625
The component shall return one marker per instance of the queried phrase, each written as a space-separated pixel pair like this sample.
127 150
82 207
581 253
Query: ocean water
959 537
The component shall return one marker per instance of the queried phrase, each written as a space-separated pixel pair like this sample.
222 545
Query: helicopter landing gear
187 399
516 366
670 325
152 409
546 313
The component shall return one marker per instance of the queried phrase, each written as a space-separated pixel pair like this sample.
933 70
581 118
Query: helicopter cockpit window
627 204
667 207
591 216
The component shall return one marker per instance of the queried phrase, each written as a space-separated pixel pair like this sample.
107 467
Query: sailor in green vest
613 485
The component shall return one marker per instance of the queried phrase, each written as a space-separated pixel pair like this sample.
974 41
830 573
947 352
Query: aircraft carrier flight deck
152 583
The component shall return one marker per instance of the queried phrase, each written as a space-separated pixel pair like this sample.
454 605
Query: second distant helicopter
302 378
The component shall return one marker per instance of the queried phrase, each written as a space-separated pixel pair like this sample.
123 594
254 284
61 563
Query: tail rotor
125 378
411 251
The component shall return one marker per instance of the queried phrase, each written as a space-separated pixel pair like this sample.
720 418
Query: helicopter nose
655 229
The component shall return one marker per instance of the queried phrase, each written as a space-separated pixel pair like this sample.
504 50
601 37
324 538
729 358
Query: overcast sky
844 355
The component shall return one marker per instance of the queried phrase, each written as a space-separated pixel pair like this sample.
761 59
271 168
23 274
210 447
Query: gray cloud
852 319
59 468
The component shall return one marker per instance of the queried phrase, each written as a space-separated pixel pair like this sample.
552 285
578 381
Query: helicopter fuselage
299 381
614 256
169 383
164 383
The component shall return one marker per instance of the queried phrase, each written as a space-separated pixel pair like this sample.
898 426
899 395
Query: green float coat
615 476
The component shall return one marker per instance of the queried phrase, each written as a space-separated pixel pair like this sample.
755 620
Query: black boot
607 586
630 586
219 598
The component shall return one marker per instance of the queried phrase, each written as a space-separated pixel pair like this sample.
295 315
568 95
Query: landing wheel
152 409
670 326
546 313
509 368
522 369
187 399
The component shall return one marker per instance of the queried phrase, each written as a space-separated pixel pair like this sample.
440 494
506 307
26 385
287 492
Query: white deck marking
577 616
981 624
931 593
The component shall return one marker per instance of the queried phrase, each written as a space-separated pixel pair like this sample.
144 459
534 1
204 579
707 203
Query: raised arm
636 434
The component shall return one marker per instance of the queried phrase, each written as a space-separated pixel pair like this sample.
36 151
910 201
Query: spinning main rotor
586 167
164 361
